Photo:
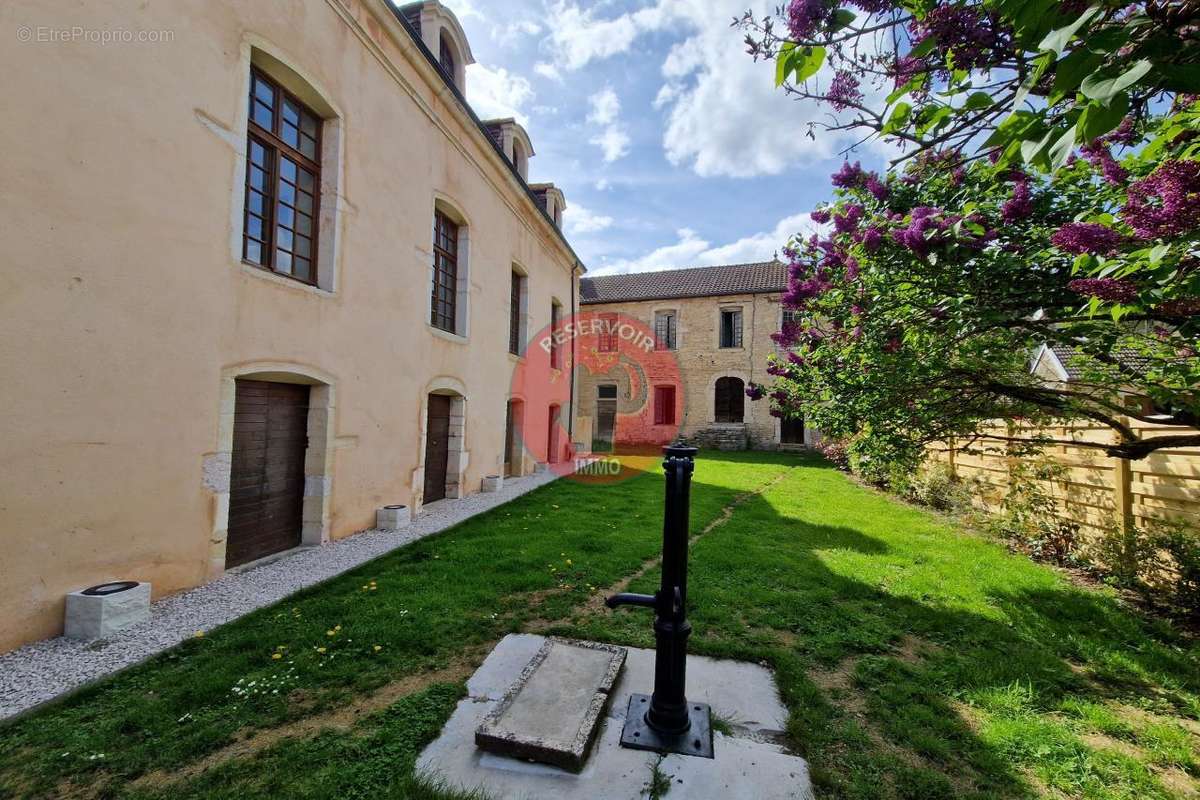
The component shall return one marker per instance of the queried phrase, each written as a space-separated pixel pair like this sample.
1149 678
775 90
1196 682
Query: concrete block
493 483
552 712
748 764
94 613
392 518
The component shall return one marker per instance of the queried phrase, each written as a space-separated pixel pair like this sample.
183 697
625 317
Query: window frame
277 149
516 291
446 53
442 220
555 348
736 333
606 339
672 337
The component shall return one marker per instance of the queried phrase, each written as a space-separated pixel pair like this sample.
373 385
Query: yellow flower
569 562
337 627
377 648
373 588
277 655
329 633
199 634
320 649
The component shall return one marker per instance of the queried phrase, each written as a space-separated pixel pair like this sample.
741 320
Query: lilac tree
1046 193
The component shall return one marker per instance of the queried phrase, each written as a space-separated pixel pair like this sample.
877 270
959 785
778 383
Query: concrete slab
552 712
748 764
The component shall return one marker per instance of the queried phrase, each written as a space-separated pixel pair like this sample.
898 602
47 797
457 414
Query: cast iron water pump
665 721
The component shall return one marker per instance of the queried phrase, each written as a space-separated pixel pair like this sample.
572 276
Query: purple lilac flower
821 215
878 189
775 412
796 358
1113 290
806 17
848 220
906 68
1166 202
963 33
871 239
1086 237
873 6
1020 205
1124 134
779 396
849 177
755 391
1100 158
843 91
893 345
851 269
1183 307
778 370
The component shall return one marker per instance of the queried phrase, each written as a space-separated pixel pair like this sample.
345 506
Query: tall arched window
729 402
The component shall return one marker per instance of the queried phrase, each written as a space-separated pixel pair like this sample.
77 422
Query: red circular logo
628 397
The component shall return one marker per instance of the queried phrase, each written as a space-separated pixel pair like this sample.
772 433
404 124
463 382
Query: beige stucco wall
702 361
126 311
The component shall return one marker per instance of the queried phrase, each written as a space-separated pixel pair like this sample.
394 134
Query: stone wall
702 361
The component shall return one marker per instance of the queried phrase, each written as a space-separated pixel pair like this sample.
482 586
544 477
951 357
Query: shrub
934 485
1030 514
836 453
1123 555
1179 580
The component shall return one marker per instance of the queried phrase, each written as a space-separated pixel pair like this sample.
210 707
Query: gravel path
41 671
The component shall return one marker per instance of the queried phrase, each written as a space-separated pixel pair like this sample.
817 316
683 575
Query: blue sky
672 146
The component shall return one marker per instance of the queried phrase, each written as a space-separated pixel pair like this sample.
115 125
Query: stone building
259 262
718 322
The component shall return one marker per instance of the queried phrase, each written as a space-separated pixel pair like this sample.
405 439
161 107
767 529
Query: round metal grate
109 588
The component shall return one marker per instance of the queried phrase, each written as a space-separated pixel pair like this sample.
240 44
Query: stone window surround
318 457
711 398
679 329
462 310
459 456
281 67
722 307
524 314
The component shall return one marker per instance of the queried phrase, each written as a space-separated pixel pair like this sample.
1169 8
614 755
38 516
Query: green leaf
923 48
1057 40
810 61
841 18
1098 119
1100 86
898 118
914 83
1061 150
1158 253
1070 72
977 101
784 62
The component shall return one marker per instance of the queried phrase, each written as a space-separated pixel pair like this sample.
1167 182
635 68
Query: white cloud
724 115
498 92
605 106
548 70
603 185
582 220
613 140
691 250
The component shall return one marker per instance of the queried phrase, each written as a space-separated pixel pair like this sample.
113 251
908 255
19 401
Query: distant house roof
756 278
1071 363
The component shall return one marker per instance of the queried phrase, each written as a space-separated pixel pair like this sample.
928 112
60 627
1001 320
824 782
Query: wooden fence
1093 490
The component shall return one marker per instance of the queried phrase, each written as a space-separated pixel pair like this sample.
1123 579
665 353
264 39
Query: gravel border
39 672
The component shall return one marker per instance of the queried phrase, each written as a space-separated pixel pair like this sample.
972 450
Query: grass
917 661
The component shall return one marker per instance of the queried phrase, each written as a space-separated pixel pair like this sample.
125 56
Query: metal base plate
696 741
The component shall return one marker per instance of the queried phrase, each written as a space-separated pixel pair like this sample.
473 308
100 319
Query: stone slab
748 764
552 711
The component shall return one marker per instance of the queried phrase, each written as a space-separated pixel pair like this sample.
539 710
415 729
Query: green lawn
917 661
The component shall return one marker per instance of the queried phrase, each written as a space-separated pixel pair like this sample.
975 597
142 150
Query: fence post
950 458
1123 489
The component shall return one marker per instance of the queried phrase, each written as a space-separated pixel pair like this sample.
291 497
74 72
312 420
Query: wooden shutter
514 316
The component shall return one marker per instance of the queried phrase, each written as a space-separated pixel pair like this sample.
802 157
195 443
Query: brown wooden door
266 482
730 400
437 447
552 436
791 430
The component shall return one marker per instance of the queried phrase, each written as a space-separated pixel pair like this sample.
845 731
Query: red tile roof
756 278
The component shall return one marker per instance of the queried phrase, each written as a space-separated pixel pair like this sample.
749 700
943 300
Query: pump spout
628 599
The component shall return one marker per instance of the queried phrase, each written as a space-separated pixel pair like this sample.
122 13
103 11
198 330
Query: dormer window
520 160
